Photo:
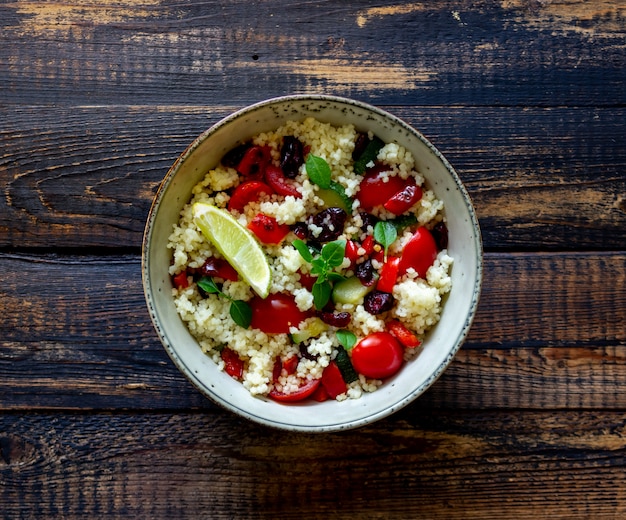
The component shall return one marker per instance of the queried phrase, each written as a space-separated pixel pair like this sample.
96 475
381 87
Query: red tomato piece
307 280
275 177
377 355
320 395
291 364
388 274
299 395
247 192
233 364
404 199
254 162
403 334
332 380
220 268
267 229
377 187
368 244
419 253
352 251
276 313
278 368
180 280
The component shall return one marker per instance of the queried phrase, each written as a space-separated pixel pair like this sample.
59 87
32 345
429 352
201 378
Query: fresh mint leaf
208 285
318 171
385 234
369 154
334 252
346 338
321 293
303 249
241 313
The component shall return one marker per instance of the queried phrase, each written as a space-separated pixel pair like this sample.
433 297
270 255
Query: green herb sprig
385 234
240 311
322 266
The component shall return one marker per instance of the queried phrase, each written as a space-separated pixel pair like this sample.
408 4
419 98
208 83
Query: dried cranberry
335 319
331 220
366 273
301 230
368 220
291 156
360 145
378 302
233 157
304 352
440 234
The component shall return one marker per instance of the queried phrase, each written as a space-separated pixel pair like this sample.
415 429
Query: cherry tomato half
267 229
419 253
254 162
247 192
276 313
377 355
300 394
404 199
377 187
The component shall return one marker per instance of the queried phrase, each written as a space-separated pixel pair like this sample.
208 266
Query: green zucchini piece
350 290
345 366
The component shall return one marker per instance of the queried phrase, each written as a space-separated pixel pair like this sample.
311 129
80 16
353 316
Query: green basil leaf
403 221
385 234
369 154
241 313
321 293
318 171
334 252
303 249
207 284
335 277
346 338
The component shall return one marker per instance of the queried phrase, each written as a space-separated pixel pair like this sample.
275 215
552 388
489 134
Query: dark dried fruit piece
291 156
366 273
440 234
378 302
335 319
331 221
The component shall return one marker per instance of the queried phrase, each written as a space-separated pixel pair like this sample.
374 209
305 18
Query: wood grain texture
158 51
76 334
438 465
76 177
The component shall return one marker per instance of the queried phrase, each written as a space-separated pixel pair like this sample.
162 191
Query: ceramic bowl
440 345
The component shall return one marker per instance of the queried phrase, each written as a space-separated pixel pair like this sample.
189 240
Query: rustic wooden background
526 98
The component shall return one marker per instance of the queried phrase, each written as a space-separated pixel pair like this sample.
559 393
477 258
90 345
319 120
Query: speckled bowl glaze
441 344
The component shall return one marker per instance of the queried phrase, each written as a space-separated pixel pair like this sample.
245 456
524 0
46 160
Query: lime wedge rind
236 244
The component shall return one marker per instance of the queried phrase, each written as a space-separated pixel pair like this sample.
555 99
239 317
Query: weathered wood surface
435 465
526 99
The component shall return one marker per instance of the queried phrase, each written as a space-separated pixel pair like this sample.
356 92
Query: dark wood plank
478 52
75 334
459 465
539 178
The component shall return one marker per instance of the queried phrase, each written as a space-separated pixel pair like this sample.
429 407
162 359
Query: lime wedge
236 244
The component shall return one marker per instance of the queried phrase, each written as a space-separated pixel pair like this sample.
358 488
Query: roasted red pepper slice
404 199
388 274
419 252
267 229
254 162
275 177
299 395
403 334
352 251
247 192
233 364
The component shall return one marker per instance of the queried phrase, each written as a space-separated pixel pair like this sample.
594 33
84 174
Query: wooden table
527 99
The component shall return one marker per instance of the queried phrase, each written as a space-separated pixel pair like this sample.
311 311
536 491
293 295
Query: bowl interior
442 342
